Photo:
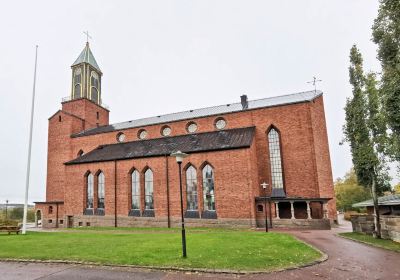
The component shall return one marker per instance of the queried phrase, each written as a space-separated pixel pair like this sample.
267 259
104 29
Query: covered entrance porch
306 213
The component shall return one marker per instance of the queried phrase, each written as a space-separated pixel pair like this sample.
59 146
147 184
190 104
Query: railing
69 98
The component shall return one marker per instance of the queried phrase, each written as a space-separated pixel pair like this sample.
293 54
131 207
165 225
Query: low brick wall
390 225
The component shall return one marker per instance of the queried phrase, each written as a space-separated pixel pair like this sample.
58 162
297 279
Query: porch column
308 210
324 210
277 209
292 210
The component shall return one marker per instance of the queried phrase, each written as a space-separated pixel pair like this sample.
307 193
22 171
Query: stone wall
123 221
302 223
390 225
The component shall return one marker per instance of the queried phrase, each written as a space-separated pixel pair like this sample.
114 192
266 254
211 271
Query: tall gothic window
148 190
135 190
191 188
100 190
77 83
275 158
208 188
94 87
89 192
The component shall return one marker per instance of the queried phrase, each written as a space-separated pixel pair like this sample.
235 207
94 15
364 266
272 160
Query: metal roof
209 111
87 56
190 143
393 199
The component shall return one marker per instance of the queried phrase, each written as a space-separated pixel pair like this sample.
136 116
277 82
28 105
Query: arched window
77 83
275 159
148 190
50 209
100 190
94 87
191 188
208 188
90 194
135 190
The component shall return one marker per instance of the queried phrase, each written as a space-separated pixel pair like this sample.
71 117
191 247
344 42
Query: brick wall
238 173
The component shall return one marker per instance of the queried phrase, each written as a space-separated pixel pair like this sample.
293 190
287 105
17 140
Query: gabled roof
209 111
87 56
393 199
189 143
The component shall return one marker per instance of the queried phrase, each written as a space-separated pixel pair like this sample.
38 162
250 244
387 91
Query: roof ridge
280 100
258 99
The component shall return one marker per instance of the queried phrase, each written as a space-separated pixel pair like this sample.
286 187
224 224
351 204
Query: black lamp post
6 209
179 158
264 186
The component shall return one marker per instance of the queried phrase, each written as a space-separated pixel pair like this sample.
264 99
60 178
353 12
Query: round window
192 127
166 131
220 123
120 137
142 134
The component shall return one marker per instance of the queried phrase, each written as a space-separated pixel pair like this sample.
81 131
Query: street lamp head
264 185
179 156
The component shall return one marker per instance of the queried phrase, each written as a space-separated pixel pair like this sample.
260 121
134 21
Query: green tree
348 191
386 34
16 213
365 132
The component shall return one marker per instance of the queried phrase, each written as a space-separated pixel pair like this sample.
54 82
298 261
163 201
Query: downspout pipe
115 195
167 178
56 215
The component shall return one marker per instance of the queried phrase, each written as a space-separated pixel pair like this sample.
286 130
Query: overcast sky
165 56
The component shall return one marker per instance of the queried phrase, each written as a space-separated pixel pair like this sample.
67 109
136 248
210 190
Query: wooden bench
10 229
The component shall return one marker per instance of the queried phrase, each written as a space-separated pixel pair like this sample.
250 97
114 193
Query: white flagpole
28 168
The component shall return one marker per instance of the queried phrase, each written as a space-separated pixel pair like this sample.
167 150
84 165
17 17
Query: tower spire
86 75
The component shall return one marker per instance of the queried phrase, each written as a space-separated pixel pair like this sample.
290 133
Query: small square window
260 208
61 222
50 221
80 224
87 224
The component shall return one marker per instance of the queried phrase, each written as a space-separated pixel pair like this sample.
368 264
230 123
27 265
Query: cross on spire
87 36
314 83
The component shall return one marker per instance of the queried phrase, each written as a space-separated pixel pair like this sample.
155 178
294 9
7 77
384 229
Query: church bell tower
85 101
86 77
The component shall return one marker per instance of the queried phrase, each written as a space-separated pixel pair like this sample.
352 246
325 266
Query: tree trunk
376 209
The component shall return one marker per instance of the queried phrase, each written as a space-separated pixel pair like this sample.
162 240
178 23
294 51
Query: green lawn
217 249
369 239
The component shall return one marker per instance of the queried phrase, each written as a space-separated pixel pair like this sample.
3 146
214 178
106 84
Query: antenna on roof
314 83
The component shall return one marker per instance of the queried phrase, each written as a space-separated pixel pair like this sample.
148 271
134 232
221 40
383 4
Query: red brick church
122 174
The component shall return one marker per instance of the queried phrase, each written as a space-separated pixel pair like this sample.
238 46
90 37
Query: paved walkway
347 260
